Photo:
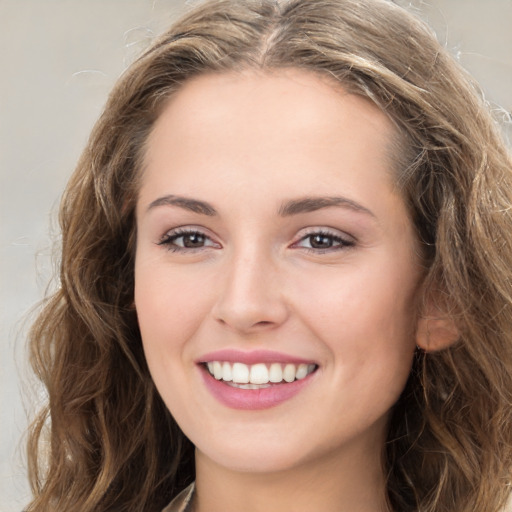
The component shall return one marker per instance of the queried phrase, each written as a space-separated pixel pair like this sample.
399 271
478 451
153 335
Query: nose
251 297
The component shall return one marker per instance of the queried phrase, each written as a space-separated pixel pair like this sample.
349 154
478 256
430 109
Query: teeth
217 370
227 374
289 373
248 386
240 373
258 375
275 373
302 371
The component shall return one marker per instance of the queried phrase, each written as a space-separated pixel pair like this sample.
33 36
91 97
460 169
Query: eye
323 241
186 240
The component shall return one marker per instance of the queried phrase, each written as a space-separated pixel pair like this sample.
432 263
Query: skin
247 143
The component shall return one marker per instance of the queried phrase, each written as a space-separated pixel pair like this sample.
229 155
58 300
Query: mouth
259 375
256 379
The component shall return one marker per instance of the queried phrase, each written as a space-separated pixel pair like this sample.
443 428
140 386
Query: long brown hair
106 441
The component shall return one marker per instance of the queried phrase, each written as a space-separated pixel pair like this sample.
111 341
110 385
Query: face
275 269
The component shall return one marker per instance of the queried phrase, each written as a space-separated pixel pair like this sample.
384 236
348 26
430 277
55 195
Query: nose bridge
251 296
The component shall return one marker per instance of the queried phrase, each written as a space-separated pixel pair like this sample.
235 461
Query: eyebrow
292 207
194 205
311 204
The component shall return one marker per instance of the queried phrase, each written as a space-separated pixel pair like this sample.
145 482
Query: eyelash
338 242
169 239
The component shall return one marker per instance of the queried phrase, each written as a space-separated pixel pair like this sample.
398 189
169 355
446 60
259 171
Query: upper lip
252 357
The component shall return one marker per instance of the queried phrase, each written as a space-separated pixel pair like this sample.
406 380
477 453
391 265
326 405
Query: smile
255 380
259 375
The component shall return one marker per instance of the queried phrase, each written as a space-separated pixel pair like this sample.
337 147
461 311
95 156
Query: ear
436 329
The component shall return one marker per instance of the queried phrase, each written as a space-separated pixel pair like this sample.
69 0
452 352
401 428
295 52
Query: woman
285 276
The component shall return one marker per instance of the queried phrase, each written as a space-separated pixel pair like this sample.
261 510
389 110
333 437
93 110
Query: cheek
171 305
366 317
169 310
360 300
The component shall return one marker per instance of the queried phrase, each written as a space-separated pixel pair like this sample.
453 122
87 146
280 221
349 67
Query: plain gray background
58 61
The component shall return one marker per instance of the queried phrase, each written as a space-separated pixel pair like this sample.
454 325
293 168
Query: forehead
207 94
292 128
298 102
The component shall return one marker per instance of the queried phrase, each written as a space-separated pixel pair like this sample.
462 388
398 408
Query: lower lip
253 399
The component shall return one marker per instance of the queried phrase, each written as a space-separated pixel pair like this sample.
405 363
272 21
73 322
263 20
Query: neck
349 482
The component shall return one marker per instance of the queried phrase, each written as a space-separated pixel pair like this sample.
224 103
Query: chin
255 461
254 454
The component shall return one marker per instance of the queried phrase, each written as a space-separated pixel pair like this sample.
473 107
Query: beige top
181 502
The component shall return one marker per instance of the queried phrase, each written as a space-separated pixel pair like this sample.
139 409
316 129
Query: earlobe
436 332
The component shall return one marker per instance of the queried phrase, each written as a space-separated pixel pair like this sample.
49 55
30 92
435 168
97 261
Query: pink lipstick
254 380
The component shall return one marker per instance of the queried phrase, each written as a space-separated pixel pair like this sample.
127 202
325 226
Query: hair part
112 444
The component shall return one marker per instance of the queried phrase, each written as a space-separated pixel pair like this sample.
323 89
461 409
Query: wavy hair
106 441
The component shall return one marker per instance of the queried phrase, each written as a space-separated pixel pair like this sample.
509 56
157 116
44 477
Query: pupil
193 240
320 242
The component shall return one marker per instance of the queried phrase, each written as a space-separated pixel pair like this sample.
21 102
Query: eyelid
177 232
312 230
345 240
342 240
